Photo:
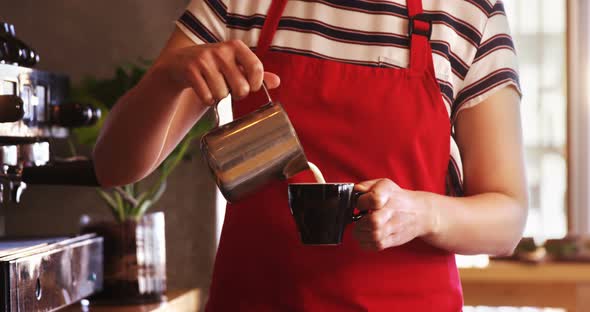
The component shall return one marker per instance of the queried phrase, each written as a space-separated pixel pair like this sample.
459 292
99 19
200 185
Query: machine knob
96 114
9 52
28 56
4 51
11 108
73 115
7 28
14 50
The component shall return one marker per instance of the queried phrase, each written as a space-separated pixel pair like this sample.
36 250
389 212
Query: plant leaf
141 197
107 198
120 204
130 189
143 208
115 208
158 194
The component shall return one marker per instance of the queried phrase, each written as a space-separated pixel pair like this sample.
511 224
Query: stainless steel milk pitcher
253 150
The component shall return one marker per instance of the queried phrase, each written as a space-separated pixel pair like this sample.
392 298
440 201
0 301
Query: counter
503 283
180 300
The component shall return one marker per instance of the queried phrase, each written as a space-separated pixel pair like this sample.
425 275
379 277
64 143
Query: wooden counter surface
503 283
506 271
185 301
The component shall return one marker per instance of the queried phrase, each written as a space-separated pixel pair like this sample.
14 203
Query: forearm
489 223
139 129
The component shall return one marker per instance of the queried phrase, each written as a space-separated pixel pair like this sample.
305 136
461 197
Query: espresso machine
41 274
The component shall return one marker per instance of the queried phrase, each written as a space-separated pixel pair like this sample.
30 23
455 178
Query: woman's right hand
215 70
162 108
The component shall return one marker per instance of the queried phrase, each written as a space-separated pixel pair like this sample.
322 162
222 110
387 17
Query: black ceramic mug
322 210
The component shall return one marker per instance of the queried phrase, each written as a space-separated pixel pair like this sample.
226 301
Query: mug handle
215 109
355 198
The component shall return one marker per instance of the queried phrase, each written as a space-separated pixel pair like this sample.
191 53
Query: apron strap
419 29
271 23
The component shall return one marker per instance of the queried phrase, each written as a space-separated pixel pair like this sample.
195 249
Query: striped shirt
472 50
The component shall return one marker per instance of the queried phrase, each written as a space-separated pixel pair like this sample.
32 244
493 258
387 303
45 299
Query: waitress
415 101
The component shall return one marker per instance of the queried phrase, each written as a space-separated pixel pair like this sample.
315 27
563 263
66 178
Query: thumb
365 186
272 80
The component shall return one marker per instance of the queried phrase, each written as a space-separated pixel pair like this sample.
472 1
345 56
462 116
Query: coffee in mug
322 210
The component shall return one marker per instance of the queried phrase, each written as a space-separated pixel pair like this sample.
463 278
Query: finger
197 82
234 77
364 241
376 221
385 242
394 240
372 201
272 80
369 238
376 196
214 79
375 236
396 232
249 61
402 231
366 185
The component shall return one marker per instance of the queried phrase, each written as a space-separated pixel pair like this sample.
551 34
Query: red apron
356 123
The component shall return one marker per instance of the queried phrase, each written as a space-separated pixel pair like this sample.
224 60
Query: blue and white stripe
466 32
472 50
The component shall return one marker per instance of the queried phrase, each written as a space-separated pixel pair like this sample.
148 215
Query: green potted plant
134 242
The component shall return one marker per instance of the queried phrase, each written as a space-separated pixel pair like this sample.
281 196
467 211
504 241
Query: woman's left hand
395 216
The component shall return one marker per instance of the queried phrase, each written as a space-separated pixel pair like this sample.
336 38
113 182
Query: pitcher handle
265 88
216 112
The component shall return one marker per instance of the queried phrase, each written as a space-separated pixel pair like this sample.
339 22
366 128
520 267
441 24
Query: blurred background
92 38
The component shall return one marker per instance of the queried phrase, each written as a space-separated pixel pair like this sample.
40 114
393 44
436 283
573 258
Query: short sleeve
494 65
204 21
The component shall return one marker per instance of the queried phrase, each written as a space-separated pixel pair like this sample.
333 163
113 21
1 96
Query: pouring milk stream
316 173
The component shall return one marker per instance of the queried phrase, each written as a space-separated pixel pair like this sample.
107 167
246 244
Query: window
539 31
538 28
